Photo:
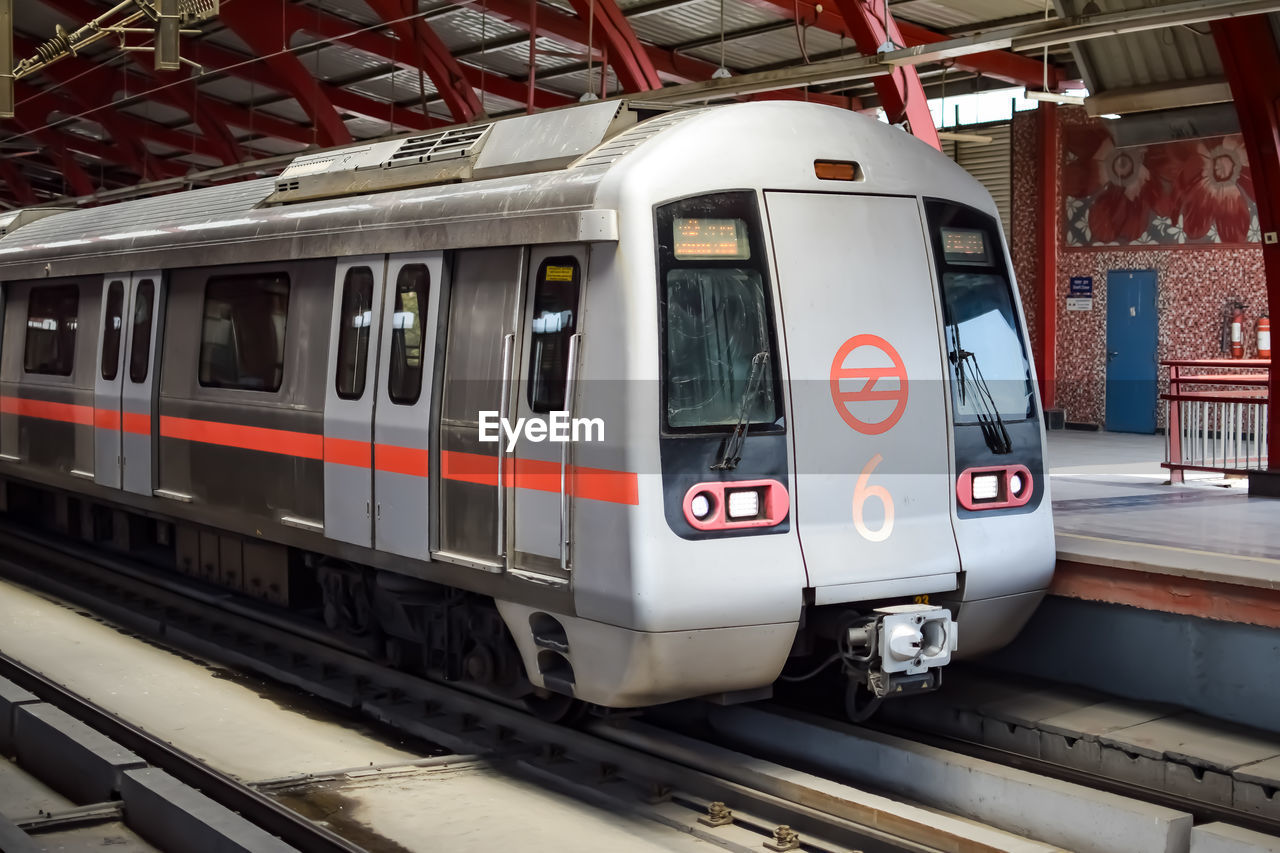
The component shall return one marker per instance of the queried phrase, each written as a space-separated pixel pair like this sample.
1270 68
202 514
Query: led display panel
710 239
964 246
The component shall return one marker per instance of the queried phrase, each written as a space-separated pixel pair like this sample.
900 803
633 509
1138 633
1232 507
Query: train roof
523 180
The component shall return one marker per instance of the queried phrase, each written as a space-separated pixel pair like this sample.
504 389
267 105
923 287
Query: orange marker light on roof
837 170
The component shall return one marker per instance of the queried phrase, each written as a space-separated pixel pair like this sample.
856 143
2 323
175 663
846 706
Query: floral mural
1198 192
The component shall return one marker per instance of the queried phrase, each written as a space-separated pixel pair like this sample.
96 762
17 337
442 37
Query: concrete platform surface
1112 507
254 732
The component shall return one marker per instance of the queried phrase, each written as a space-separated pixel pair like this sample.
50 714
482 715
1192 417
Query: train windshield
990 370
719 368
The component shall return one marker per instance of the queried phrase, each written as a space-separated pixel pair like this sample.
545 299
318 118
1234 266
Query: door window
112 326
143 317
356 320
404 380
555 319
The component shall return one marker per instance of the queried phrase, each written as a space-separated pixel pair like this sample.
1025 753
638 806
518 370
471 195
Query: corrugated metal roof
951 14
1148 58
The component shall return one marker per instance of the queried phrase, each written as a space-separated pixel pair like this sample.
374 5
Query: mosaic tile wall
1193 283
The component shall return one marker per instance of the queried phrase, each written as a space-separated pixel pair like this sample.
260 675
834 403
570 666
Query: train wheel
555 707
860 703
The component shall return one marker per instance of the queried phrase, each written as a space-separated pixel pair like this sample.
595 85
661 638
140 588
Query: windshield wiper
994 431
733 444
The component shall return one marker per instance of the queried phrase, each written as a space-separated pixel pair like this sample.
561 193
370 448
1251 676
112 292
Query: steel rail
259 809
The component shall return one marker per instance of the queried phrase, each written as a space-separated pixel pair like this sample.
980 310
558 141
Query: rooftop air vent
445 145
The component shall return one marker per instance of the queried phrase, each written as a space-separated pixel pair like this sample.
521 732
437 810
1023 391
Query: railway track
680 780
616 764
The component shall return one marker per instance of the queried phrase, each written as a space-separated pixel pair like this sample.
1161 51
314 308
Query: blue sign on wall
1081 285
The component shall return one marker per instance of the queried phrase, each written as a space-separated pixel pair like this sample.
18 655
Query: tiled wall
1193 283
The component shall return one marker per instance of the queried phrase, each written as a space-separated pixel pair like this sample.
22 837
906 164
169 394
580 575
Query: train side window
353 335
404 380
52 319
112 325
555 319
242 341
143 317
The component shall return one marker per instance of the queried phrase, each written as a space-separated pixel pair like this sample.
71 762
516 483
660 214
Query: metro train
604 406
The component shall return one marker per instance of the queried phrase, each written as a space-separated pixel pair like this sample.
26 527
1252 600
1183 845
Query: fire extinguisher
1237 332
1264 337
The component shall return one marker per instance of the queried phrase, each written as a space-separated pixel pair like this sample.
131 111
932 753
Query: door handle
1111 354
504 411
570 388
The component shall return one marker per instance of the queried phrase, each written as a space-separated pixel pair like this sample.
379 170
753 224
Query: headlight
744 503
986 487
700 506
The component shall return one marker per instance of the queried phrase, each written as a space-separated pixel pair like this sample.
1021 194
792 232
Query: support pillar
1047 248
1251 58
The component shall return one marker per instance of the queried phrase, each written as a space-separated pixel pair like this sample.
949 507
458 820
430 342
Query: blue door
1131 351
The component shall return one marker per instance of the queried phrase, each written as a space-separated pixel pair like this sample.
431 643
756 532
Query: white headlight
1015 484
744 504
700 506
985 487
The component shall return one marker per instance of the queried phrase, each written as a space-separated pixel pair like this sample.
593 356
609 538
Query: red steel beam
17 183
901 93
267 34
1001 64
629 59
432 57
1047 245
1251 58
181 97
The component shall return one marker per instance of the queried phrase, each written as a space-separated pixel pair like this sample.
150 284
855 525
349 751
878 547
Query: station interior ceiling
264 80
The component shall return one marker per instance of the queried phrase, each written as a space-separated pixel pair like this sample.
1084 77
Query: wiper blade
733 445
993 427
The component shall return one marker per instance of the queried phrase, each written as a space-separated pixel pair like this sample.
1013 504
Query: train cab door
108 451
402 412
479 365
349 399
874 485
140 382
539 500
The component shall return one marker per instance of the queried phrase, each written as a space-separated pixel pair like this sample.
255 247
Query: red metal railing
1216 416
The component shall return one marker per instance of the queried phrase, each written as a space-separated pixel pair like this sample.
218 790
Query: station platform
1204 548
1162 593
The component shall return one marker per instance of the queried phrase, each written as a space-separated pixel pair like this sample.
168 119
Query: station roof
272 78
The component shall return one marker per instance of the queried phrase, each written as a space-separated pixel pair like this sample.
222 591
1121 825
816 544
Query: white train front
597 403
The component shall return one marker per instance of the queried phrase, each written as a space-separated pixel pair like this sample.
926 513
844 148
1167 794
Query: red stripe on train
285 442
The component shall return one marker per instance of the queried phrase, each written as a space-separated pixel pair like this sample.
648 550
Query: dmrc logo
859 406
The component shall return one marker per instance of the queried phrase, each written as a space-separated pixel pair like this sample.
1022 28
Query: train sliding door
541 463
108 454
138 420
123 394
479 364
402 413
349 400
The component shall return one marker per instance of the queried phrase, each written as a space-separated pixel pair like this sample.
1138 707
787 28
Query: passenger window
112 323
52 317
555 319
242 343
143 317
353 334
404 381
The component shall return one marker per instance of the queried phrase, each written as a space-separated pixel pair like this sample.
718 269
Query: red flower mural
1133 183
1176 192
1215 186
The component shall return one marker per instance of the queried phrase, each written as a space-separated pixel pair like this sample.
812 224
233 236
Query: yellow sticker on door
559 273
